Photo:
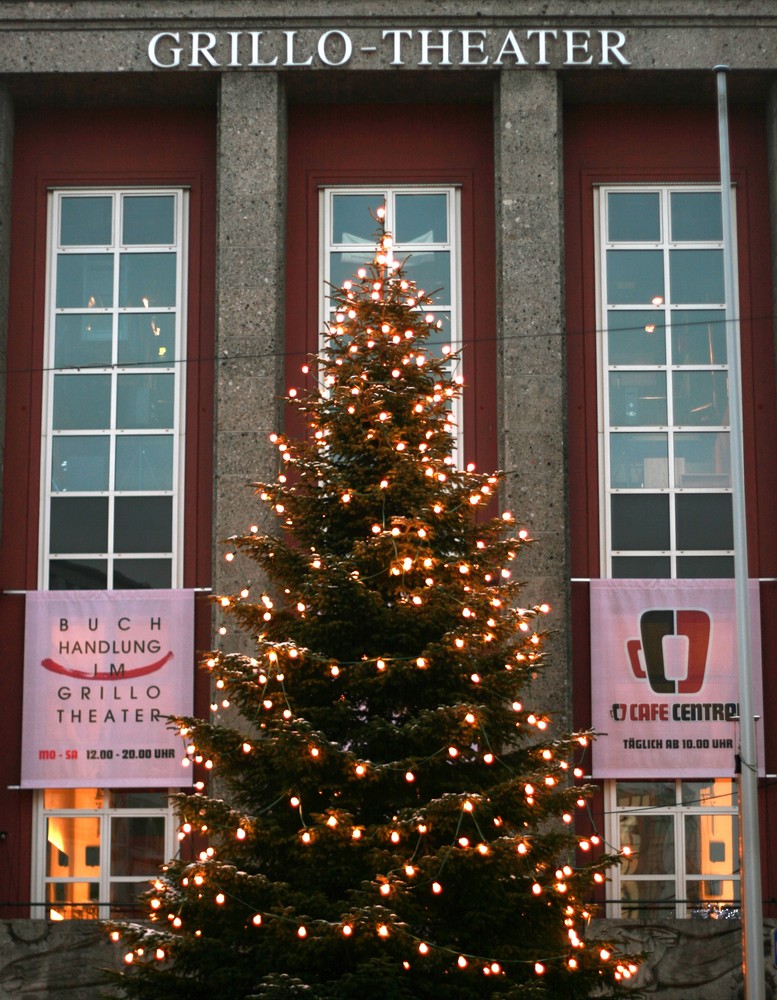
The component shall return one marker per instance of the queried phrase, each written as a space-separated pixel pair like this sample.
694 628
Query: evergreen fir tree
398 823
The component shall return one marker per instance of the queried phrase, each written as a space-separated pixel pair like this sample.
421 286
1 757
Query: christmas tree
397 823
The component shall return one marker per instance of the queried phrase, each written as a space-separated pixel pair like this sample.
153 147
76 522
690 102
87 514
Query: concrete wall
54 961
684 959
531 379
688 959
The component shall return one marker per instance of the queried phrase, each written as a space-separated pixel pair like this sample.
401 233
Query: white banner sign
664 679
102 669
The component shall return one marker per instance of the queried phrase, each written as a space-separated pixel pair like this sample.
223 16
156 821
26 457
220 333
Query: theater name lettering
408 47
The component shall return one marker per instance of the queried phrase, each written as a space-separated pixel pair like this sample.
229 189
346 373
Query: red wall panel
110 148
668 144
392 144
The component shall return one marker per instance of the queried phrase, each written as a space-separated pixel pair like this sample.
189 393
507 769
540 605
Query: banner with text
664 680
102 669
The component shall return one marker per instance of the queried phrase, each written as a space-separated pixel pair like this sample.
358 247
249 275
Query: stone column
250 296
530 352
6 169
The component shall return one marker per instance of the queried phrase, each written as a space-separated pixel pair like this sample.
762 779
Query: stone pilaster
531 372
250 292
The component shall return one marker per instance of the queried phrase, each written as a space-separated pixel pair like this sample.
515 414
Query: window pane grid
423 221
90 848
684 848
115 384
664 391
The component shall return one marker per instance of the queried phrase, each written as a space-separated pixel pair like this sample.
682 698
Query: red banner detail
58 668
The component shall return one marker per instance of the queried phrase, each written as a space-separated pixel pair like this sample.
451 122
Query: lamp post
750 861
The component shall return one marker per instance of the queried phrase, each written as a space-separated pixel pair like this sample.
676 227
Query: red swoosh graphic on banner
57 668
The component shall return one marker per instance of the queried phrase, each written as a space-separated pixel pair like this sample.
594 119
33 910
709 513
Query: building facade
177 184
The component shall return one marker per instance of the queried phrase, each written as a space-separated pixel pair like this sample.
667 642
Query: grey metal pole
750 867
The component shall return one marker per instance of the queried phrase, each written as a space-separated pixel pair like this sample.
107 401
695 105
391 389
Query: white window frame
401 251
177 368
616 909
603 369
101 909
678 811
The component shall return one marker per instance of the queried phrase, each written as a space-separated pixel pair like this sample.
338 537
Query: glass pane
651 839
705 567
78 574
79 524
73 900
639 461
637 398
648 900
713 897
79 463
145 401
700 398
149 220
715 793
130 798
147 279
635 337
421 218
147 338
439 337
144 462
431 271
698 336
711 844
73 798
125 898
640 521
696 276
82 340
633 217
641 567
696 215
142 574
86 222
704 521
137 844
635 277
72 846
648 794
345 265
143 524
353 218
84 281
702 460
82 402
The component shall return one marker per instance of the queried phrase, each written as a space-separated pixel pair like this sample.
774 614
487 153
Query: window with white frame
424 223
112 467
666 502
113 390
682 840
664 384
100 849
